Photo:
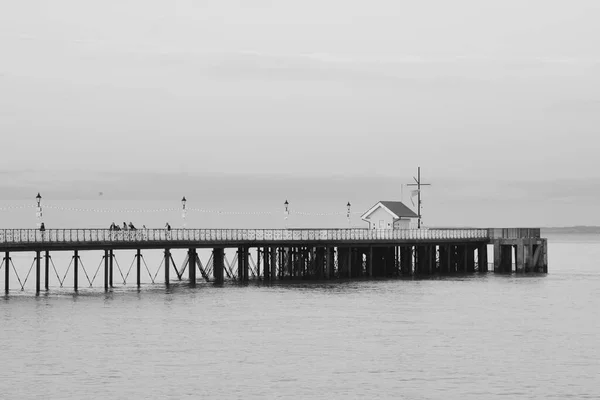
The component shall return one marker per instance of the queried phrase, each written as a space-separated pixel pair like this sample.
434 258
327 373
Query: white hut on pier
389 215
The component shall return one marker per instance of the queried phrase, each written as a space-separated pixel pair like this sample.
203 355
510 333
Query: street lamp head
183 201
348 205
286 204
38 198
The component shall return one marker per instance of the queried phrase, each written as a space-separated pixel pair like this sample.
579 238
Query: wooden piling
470 258
138 269
273 263
47 270
37 272
482 258
76 270
167 266
218 264
110 268
192 266
6 272
106 269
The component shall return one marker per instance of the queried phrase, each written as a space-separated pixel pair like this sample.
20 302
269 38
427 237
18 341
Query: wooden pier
286 253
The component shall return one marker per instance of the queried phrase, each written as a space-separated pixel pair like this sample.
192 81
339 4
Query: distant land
572 230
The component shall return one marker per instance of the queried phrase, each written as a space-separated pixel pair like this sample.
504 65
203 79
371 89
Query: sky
481 94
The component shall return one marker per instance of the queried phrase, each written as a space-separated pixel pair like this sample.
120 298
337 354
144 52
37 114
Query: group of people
131 227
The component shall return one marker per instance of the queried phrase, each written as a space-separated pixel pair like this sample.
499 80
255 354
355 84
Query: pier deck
292 253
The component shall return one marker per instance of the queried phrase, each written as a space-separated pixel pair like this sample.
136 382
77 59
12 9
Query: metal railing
24 236
514 233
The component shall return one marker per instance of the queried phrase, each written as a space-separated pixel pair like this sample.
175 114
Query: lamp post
183 210
286 213
38 210
348 214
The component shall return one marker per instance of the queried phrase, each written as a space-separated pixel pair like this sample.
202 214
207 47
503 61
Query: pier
279 254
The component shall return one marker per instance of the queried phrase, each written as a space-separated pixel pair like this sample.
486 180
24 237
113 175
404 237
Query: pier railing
17 236
514 233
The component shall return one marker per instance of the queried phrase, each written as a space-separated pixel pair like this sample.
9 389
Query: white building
389 215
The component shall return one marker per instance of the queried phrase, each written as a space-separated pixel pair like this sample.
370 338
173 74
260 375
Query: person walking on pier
168 227
124 226
42 227
132 227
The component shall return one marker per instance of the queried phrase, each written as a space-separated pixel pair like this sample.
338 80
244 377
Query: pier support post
452 258
38 259
47 270
273 263
218 264
529 248
240 264
105 270
406 260
431 259
192 257
167 266
76 271
329 261
443 258
110 268
245 261
502 258
370 262
470 258
6 272
258 263
138 269
519 256
482 258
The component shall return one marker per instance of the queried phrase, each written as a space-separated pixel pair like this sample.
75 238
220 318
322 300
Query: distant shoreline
587 230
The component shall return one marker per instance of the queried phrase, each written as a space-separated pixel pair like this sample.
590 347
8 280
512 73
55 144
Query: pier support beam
110 268
47 270
443 258
520 257
138 268
6 272
218 264
38 259
502 258
470 258
76 271
192 257
482 258
273 264
167 266
245 261
105 270
406 260
329 259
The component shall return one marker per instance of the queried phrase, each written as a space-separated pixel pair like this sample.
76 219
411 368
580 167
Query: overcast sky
481 88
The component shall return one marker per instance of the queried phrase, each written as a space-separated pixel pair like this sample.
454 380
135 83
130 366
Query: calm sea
471 337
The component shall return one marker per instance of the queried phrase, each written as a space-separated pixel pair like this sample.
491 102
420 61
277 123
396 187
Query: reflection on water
467 337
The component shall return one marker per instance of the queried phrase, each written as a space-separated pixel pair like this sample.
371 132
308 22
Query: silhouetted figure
168 227
42 227
124 226
144 227
131 227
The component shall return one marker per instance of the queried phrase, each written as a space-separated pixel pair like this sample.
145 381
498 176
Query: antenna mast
418 184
